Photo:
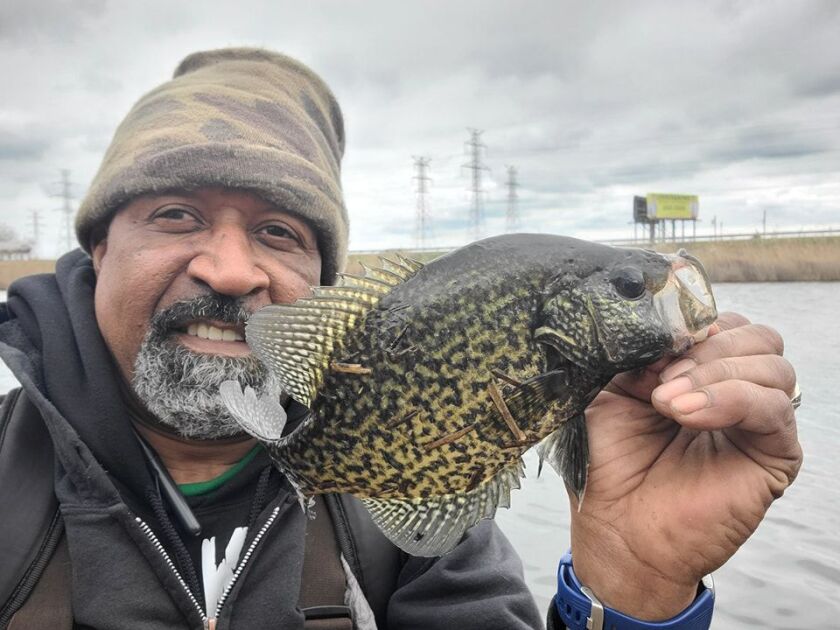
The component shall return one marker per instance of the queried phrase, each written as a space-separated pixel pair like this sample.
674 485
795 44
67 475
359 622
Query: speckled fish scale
426 383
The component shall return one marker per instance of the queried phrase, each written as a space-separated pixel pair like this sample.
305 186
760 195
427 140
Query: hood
50 340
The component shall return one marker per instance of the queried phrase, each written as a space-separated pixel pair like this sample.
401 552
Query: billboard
665 206
640 209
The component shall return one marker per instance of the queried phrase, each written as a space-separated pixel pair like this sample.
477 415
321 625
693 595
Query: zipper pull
210 624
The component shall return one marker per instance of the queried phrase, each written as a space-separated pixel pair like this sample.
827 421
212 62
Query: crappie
427 383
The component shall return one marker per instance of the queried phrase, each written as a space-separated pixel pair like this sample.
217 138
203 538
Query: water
787 576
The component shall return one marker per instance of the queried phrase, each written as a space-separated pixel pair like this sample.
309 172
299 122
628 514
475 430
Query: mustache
223 308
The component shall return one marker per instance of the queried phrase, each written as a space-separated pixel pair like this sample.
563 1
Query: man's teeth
203 331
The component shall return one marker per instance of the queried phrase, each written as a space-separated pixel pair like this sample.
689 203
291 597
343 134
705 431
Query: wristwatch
580 609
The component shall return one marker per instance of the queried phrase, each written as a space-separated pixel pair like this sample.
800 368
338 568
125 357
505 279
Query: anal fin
567 450
432 526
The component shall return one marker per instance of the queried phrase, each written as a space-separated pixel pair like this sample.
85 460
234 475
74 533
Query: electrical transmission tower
474 147
67 209
422 223
36 224
512 218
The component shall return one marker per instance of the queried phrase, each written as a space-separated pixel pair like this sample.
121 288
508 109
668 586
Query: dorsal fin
384 275
297 340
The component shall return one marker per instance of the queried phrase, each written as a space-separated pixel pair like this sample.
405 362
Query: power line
474 146
512 217
422 225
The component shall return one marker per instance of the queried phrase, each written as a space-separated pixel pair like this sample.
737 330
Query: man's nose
227 263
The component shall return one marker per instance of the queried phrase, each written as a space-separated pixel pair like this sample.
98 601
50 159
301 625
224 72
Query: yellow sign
664 206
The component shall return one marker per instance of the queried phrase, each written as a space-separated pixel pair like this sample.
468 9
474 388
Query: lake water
787 576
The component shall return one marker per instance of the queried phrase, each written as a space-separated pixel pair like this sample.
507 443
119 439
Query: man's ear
98 252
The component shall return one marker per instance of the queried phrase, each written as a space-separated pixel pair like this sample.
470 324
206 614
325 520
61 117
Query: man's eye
174 214
278 231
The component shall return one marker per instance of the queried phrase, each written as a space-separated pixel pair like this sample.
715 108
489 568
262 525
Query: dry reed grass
11 270
756 260
769 260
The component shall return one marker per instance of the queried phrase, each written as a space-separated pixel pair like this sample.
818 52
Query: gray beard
181 388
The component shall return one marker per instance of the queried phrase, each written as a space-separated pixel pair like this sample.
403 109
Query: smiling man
177 277
132 500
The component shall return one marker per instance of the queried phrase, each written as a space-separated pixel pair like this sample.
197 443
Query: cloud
16 146
592 102
31 23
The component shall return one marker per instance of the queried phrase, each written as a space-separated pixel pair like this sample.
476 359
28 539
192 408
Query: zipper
162 551
241 567
245 559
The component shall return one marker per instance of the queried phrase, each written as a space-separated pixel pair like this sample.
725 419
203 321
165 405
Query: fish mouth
685 303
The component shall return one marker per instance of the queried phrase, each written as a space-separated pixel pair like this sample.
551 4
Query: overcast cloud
592 102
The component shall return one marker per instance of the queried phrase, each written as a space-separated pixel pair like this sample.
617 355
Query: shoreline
794 259
790 259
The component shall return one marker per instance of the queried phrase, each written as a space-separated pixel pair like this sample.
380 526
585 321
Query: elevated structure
656 209
422 223
474 148
512 216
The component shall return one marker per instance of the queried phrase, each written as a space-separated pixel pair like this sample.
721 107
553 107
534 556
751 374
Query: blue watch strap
580 609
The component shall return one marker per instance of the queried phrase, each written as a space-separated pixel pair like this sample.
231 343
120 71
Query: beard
181 387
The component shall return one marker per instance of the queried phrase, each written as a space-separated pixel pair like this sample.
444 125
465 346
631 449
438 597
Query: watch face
709 582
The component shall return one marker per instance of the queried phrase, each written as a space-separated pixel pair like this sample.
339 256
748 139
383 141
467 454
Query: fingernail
674 388
689 403
673 371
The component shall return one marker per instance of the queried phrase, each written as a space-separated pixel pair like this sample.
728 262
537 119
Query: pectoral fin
263 416
529 401
432 526
567 450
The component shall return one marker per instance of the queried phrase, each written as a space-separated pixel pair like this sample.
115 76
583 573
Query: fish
427 383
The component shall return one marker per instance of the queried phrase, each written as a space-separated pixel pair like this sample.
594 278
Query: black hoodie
122 576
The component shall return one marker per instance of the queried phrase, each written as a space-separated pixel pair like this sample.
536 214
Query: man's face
177 275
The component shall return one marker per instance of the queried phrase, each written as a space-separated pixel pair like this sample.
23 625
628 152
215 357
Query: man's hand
686 457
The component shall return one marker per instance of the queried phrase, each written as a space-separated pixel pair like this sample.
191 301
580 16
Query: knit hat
242 118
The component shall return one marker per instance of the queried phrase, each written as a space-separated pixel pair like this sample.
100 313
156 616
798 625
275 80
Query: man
220 194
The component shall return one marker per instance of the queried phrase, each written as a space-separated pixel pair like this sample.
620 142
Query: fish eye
629 282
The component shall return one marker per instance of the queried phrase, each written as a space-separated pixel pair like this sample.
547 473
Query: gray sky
736 101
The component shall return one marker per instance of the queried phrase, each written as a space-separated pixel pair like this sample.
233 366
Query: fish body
427 383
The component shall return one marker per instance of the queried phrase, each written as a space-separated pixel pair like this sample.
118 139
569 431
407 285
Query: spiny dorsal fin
410 263
388 277
405 271
297 340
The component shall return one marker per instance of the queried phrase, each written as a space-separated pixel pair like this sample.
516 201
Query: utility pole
764 223
36 224
422 224
714 228
512 218
475 145
67 209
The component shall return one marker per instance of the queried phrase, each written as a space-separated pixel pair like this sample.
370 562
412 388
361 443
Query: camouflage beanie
240 118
